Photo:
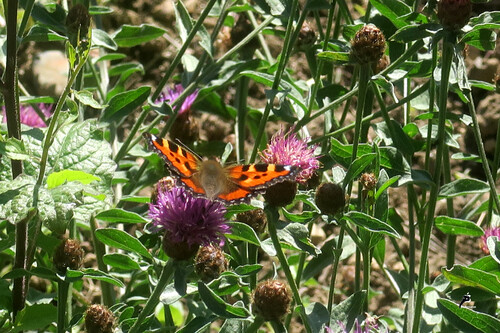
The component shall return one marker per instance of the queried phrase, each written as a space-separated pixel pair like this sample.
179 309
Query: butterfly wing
245 181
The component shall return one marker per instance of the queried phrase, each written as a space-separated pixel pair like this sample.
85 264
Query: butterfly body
230 185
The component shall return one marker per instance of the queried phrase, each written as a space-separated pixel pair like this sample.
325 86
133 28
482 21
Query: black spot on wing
172 146
260 167
279 168
245 168
243 177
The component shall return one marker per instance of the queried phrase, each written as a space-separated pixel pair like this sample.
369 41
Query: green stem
100 251
447 57
272 218
153 300
337 252
241 107
496 162
287 46
451 239
257 323
62 302
366 274
482 153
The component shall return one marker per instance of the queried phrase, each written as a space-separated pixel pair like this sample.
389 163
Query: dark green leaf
473 277
357 167
297 235
120 261
487 20
336 57
217 304
122 240
483 39
467 320
370 223
392 9
243 232
128 36
121 105
410 33
347 311
102 276
482 85
248 269
318 316
54 19
42 34
101 39
463 186
35 317
453 226
117 215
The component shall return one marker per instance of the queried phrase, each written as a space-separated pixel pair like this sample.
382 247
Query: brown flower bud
368 180
281 194
178 250
210 263
368 45
69 254
98 319
165 184
272 299
381 64
78 22
330 198
454 14
185 128
255 218
307 36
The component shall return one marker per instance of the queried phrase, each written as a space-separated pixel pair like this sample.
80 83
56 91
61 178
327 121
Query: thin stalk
272 214
447 57
482 154
257 323
287 46
62 302
451 239
100 251
241 107
496 162
153 300
366 274
337 252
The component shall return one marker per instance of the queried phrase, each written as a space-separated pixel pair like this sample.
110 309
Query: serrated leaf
454 226
117 215
128 36
122 240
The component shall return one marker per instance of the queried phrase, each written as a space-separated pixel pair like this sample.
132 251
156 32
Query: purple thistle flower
29 116
169 95
493 231
288 149
196 221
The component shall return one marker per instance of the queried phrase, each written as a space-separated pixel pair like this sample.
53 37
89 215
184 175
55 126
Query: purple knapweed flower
195 221
29 116
169 95
494 231
288 149
369 325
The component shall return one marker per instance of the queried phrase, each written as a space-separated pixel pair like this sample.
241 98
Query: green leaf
357 167
318 316
122 240
473 277
86 97
35 317
122 104
102 276
410 33
58 178
483 39
42 34
453 226
296 235
243 232
462 187
493 244
336 57
317 264
101 39
99 10
128 36
120 261
467 320
392 10
347 311
117 215
217 304
14 149
370 223
248 269
487 20
55 19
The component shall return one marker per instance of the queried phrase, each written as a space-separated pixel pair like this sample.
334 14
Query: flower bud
78 23
185 128
454 14
272 299
307 36
281 194
98 319
178 250
368 45
368 180
381 64
255 218
330 198
165 184
69 254
210 262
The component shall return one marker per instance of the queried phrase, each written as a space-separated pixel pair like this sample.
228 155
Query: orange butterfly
229 185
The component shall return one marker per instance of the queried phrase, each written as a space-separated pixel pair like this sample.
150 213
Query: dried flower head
29 117
307 36
368 45
78 22
210 262
256 218
494 231
272 299
187 219
454 14
69 254
288 149
330 198
99 319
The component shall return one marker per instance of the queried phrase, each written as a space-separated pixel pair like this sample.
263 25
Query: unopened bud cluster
368 45
272 299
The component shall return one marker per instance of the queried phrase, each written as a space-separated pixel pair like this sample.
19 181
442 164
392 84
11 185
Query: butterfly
208 178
